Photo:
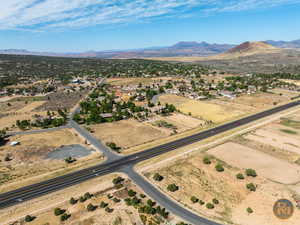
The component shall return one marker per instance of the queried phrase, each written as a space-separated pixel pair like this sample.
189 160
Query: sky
84 25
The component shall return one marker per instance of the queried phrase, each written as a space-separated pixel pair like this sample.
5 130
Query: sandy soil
200 109
260 100
28 162
267 166
194 178
181 121
18 110
275 136
128 81
127 133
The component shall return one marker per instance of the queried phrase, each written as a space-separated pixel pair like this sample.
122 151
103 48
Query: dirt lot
18 110
268 166
180 121
101 188
127 133
128 81
202 110
278 136
62 100
27 163
194 178
260 101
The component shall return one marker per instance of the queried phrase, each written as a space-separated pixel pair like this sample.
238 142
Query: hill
251 48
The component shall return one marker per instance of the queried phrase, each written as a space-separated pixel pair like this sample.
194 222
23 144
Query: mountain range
180 49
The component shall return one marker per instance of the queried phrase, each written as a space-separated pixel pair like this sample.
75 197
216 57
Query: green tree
240 176
251 173
251 187
158 177
172 187
219 167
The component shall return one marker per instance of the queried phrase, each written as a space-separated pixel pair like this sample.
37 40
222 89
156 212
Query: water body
75 151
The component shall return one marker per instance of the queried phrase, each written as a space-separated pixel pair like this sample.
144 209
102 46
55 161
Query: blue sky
82 25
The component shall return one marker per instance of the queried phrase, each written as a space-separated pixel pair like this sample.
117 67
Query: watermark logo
283 209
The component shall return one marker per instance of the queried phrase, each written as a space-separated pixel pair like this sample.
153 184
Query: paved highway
117 163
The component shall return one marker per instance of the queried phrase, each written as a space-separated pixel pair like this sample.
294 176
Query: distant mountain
285 44
180 49
251 47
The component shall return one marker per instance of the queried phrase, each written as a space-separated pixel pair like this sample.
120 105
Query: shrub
150 203
103 204
219 168
73 201
142 196
201 202
209 205
249 210
109 210
131 193
90 207
251 187
118 180
87 195
240 176
58 211
158 177
194 199
116 200
215 201
64 217
172 187
251 173
29 218
82 199
70 160
206 160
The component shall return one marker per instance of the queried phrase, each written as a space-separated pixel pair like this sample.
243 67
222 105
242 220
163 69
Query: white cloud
53 14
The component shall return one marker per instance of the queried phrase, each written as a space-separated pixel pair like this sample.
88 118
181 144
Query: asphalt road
119 163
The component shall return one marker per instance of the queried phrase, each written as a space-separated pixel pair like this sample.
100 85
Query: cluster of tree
93 109
261 82
48 122
17 69
113 146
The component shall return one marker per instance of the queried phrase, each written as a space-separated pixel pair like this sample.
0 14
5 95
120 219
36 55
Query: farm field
41 156
202 110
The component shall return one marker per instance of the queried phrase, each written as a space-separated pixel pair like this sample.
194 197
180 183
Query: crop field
203 110
27 162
